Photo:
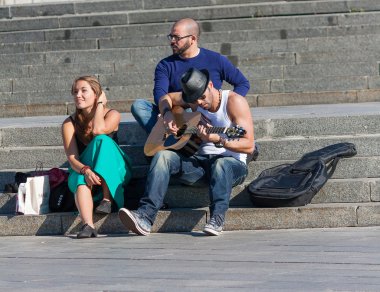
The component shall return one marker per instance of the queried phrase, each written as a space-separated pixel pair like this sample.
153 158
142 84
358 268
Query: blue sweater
169 71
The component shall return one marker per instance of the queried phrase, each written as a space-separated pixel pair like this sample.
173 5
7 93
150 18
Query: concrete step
361 48
29 109
333 89
179 196
362 190
267 72
120 18
314 98
264 80
120 25
259 35
297 123
249 10
272 150
155 35
72 7
139 12
112 37
349 44
186 220
285 134
57 9
8 175
355 167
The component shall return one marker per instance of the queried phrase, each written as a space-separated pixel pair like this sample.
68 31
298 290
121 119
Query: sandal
87 232
105 207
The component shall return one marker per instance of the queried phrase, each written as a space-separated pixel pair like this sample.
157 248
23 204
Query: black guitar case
290 185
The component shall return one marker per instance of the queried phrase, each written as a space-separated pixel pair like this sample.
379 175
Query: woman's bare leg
85 205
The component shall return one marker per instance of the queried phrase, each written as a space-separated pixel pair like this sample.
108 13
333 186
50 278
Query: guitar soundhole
181 131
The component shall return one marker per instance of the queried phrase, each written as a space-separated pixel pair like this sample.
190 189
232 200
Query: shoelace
216 221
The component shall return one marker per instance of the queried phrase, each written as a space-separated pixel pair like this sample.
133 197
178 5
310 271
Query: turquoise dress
106 159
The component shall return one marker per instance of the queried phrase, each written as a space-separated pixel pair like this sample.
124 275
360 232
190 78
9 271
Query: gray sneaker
134 222
215 226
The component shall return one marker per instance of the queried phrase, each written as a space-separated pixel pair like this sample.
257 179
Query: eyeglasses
176 37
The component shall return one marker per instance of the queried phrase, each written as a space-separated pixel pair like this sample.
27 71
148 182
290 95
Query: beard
180 50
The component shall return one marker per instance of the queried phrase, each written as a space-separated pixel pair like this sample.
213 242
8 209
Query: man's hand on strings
169 123
206 137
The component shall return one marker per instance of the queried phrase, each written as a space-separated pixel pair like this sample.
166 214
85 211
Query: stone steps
120 18
48 108
350 198
278 78
283 137
37 78
266 80
286 122
149 11
293 52
361 190
318 50
187 220
324 52
353 168
106 37
91 7
275 150
123 39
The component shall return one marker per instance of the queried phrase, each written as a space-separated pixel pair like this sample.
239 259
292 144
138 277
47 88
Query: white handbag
33 196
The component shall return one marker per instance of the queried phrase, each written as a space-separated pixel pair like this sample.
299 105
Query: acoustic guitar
186 140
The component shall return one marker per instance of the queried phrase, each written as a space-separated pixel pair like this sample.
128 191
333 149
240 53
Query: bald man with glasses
184 37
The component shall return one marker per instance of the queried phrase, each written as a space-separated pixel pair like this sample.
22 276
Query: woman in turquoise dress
99 169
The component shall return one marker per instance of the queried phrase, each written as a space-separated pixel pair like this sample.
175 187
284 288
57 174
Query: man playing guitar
219 160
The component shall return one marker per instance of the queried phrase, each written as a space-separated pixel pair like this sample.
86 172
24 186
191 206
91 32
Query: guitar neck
216 130
232 133
211 130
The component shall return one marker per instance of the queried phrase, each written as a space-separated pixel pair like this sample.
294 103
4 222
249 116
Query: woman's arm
72 154
70 145
105 124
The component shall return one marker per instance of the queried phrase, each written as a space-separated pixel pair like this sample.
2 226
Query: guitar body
159 139
186 142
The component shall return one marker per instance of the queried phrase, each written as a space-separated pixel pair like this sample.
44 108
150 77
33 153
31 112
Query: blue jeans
145 114
222 173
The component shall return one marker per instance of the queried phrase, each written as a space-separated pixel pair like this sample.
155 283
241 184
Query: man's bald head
189 25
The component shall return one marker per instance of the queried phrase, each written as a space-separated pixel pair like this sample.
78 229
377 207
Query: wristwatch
220 143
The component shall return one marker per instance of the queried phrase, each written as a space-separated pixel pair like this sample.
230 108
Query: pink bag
56 176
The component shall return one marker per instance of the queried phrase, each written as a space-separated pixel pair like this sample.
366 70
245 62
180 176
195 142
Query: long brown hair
83 127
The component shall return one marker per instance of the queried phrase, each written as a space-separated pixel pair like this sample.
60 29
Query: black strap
332 166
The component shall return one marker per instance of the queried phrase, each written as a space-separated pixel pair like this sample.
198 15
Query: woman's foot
105 207
87 232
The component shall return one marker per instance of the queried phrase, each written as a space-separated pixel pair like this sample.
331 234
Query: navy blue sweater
169 71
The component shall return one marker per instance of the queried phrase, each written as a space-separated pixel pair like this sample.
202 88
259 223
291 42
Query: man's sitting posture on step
219 160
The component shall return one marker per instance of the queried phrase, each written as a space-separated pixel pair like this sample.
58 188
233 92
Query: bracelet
99 102
220 143
84 169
